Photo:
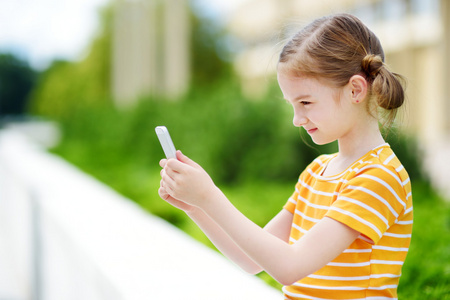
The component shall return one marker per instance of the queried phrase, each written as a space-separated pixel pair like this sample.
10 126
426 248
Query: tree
17 79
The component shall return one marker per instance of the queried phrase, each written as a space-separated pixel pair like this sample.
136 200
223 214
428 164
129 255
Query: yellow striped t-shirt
373 196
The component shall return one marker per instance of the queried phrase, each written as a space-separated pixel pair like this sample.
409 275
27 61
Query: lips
311 131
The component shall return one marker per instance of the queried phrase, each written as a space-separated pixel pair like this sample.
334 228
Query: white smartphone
166 142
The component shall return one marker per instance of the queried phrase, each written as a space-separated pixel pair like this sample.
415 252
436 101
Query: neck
359 142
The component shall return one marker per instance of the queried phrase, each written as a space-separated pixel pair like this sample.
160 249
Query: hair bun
371 65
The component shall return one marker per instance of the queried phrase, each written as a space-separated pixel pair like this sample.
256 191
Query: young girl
345 231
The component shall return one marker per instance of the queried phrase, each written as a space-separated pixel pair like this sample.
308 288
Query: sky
40 31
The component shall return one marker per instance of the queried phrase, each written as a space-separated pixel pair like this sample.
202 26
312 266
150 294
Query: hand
174 202
169 199
184 183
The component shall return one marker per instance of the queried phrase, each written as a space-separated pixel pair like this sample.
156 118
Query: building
416 38
150 51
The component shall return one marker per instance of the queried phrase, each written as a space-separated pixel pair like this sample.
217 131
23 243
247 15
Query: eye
305 103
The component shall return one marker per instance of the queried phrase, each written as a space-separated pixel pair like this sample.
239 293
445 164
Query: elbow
248 266
287 281
289 278
284 278
253 270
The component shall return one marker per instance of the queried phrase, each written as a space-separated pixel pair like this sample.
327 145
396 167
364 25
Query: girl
345 231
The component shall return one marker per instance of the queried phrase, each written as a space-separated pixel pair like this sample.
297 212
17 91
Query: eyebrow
298 98
302 97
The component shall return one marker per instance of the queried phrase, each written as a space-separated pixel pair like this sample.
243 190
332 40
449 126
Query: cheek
327 116
318 115
330 111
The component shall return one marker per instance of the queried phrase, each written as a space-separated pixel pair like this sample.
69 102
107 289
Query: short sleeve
292 202
370 202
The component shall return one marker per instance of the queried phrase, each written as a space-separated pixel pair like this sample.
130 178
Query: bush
244 145
17 79
426 273
235 139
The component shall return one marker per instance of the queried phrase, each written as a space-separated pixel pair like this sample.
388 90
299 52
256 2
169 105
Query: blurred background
101 74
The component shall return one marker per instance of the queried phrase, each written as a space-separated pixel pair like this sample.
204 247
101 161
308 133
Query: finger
183 158
165 173
181 164
168 183
170 172
163 162
176 166
163 193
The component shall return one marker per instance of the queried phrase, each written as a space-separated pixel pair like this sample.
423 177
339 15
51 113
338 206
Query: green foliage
426 273
67 87
17 79
207 57
249 147
122 150
253 153
407 150
235 139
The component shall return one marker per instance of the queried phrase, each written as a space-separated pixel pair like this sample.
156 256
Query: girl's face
326 113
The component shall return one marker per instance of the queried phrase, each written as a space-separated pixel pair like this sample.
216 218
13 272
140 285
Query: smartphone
166 142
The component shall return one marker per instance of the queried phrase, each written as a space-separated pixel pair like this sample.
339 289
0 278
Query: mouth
311 131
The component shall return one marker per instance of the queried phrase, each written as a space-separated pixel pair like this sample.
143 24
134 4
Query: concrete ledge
79 239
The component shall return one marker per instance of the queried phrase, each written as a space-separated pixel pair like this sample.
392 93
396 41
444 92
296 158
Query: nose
299 119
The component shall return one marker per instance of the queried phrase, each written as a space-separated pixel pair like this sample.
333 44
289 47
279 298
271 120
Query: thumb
184 159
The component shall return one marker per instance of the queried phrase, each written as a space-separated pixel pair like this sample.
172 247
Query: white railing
64 236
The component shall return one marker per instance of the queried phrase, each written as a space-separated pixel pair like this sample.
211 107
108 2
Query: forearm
285 263
186 185
223 242
169 192
265 249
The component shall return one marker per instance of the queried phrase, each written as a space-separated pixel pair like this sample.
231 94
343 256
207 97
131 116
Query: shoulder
374 194
381 163
379 173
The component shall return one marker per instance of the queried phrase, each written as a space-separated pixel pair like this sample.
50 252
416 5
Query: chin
322 142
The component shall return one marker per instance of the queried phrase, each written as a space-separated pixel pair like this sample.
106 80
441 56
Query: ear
357 88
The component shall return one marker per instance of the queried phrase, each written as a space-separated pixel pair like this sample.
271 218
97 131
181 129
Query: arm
229 248
279 226
285 263
186 181
223 242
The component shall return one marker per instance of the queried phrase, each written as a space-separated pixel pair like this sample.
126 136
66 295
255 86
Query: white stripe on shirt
375 195
358 218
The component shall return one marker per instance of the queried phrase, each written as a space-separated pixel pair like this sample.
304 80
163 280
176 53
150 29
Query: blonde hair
337 47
